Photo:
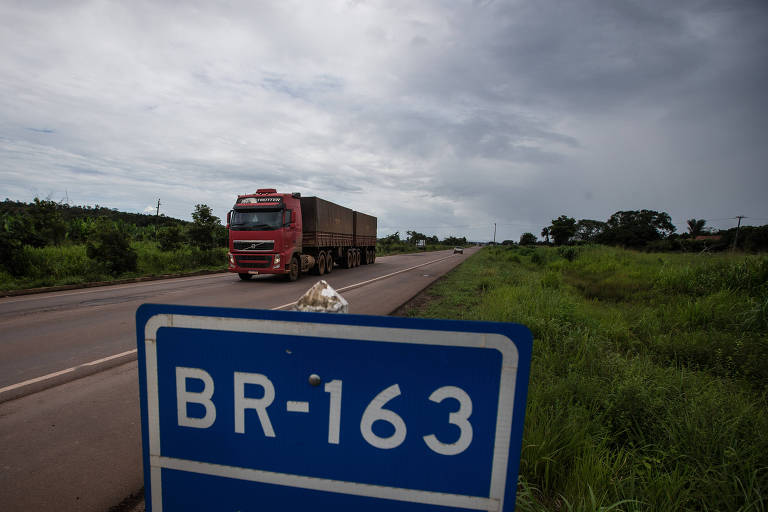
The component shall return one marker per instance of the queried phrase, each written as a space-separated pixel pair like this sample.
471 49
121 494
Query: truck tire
244 276
373 256
357 257
328 263
294 269
320 264
350 260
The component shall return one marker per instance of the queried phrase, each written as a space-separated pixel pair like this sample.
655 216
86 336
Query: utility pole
738 226
157 214
494 233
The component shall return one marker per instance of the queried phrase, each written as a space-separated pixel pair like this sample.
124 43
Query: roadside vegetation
649 379
651 231
416 242
46 243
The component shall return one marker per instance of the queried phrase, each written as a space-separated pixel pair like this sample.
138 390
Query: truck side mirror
229 215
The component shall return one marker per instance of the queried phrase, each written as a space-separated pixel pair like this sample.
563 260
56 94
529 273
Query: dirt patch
416 304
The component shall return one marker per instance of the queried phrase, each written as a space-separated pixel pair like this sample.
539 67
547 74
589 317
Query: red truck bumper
249 263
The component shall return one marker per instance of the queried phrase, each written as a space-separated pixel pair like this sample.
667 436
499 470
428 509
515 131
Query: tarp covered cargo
365 230
326 223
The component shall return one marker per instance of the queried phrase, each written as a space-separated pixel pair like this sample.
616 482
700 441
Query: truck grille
254 245
253 261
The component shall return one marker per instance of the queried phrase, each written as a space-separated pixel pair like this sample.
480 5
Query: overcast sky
438 116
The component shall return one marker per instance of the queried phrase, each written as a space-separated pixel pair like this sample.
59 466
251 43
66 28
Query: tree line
106 233
649 230
412 238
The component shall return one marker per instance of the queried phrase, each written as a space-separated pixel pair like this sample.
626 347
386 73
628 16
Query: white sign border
341 332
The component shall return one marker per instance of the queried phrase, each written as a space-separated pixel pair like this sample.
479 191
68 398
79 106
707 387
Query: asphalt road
69 409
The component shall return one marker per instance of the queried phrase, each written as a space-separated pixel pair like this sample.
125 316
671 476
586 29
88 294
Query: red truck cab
265 234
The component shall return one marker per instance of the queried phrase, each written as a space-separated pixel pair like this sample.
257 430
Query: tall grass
649 379
69 264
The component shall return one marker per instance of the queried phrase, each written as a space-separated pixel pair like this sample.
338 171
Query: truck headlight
231 259
276 262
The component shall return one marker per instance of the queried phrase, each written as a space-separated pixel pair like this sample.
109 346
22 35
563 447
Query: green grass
649 379
69 264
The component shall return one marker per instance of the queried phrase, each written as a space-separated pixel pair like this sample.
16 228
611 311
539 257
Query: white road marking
109 358
62 372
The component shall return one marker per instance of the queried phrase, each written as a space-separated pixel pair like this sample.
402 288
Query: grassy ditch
649 380
69 264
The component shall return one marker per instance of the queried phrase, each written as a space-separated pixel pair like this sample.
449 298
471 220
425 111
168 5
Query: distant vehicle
271 233
459 250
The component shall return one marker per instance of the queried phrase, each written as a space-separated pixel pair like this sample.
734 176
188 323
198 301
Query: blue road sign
248 410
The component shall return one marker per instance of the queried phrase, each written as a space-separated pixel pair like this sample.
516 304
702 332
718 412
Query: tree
47 222
390 239
545 234
170 238
415 236
453 240
696 227
635 228
111 248
588 230
562 229
12 245
203 230
527 239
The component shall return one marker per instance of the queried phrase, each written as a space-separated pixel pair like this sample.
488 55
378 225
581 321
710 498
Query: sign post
272 410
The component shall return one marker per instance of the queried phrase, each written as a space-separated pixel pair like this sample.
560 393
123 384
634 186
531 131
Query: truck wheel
350 260
328 263
320 264
245 276
357 258
373 255
293 269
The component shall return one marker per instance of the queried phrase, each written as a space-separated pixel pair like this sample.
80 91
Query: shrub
112 250
568 252
170 238
12 255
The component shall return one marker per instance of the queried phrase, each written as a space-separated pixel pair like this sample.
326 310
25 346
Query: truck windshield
256 220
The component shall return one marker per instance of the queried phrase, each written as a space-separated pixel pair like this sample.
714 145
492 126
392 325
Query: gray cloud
433 116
